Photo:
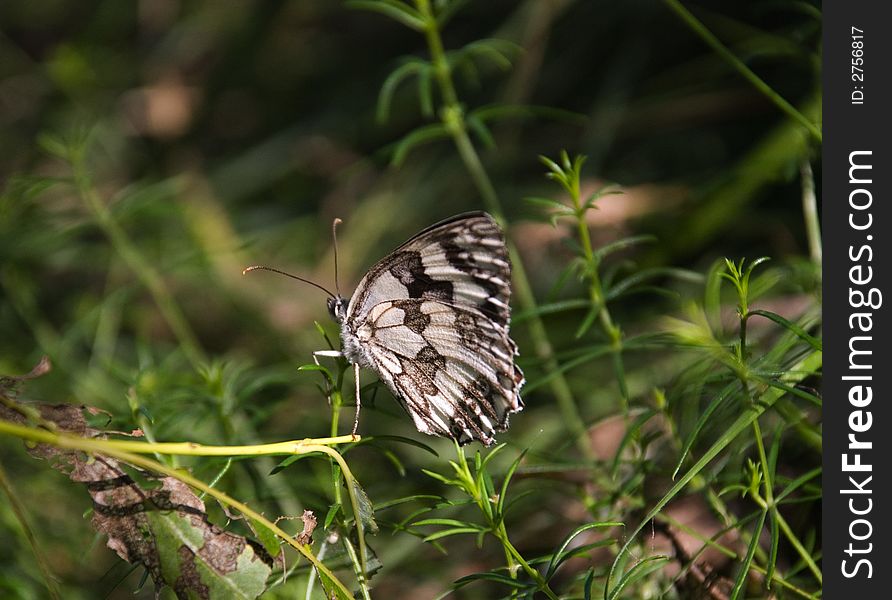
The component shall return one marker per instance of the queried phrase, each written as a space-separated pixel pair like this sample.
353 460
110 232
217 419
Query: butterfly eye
337 308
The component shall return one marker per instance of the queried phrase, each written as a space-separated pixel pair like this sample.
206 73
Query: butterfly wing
432 319
451 367
462 261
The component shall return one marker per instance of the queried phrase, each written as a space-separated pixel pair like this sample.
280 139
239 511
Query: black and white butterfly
431 319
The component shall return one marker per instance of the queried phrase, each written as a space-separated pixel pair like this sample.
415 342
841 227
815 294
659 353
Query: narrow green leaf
560 556
447 10
814 342
599 351
547 203
481 465
588 320
440 478
391 83
426 93
753 265
552 166
587 584
331 514
54 146
287 462
495 50
329 377
422 135
397 11
404 500
744 569
324 334
449 532
618 289
622 244
640 570
548 309
797 483
712 296
580 551
463 64
393 458
701 423
401 440
446 523
774 532
790 389
482 131
490 576
631 431
503 492
773 454
309 367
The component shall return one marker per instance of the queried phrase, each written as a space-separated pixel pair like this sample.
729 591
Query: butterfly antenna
263 268
334 238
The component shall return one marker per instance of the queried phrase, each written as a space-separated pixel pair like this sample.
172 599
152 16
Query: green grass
671 437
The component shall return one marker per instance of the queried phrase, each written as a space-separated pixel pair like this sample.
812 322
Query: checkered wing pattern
432 319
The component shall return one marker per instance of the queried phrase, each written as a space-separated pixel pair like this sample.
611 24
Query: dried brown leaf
157 522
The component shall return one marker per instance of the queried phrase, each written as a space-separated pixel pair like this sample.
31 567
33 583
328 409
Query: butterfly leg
356 385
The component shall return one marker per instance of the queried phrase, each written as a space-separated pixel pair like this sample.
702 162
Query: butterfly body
431 319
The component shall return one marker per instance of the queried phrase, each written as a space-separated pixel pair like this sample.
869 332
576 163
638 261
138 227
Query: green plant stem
502 536
358 569
596 294
113 448
453 118
109 447
336 399
767 484
741 283
19 511
742 373
510 563
716 502
744 318
496 524
193 449
804 554
218 476
333 389
713 42
134 259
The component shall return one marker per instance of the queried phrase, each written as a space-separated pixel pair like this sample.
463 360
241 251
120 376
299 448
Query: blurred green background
222 134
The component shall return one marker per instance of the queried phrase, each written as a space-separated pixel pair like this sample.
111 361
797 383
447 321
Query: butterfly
432 319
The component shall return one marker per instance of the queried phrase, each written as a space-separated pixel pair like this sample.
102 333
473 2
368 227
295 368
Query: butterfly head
337 308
